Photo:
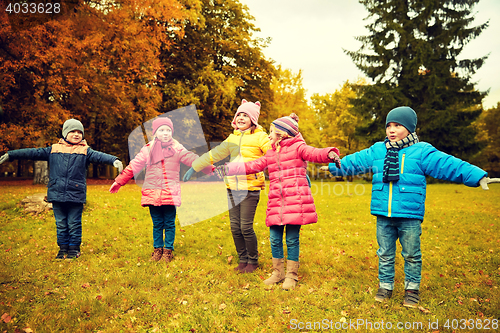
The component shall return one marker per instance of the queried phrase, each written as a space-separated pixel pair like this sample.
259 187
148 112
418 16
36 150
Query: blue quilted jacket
406 197
67 168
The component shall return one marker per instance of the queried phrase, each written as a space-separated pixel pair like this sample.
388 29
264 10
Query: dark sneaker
63 252
157 254
411 298
383 294
73 252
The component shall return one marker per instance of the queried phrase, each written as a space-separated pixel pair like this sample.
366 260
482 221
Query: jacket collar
248 132
66 143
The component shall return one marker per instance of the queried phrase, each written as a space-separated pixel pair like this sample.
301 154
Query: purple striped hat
288 124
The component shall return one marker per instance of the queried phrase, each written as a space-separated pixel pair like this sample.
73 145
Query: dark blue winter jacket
68 168
406 197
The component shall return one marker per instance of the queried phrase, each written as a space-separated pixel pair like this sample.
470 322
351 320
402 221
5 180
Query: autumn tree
98 63
337 120
290 97
411 54
489 131
215 64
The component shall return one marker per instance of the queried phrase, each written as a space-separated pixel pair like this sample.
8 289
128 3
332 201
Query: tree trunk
41 172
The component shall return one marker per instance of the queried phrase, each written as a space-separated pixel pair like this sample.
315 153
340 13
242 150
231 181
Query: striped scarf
391 162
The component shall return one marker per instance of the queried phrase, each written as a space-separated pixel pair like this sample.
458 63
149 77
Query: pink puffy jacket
161 184
290 199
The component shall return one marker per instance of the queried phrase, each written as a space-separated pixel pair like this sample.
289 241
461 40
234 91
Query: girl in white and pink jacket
161 191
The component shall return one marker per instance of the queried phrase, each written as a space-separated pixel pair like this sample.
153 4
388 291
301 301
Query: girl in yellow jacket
248 142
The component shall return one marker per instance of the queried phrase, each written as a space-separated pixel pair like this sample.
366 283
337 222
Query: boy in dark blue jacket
67 188
399 166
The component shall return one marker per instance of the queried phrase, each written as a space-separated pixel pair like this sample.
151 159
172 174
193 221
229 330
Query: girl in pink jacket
290 200
161 191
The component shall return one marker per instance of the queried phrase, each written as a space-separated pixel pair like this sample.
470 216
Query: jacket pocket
75 191
379 199
411 198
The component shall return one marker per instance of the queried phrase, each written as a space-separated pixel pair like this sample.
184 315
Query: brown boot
157 253
291 277
241 267
278 272
250 268
168 255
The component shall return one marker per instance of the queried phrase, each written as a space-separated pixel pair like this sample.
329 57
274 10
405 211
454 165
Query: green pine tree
411 54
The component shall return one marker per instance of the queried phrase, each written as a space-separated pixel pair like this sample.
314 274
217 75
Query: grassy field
113 287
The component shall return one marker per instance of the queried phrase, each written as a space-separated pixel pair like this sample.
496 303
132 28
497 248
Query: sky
311 35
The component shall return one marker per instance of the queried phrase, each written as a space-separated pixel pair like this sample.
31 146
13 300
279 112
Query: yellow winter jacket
243 147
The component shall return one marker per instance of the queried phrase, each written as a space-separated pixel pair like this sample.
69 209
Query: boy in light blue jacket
399 166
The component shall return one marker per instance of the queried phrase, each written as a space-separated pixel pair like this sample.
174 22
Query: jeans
292 241
389 229
242 206
163 221
68 217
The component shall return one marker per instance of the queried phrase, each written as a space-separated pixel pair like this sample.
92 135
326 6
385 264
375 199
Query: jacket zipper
389 208
240 157
281 189
403 163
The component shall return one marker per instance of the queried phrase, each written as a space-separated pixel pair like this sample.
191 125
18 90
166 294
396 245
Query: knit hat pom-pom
294 117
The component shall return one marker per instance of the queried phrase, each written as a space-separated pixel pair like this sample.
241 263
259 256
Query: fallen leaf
246 286
98 297
442 302
6 318
286 312
85 285
222 306
28 330
229 259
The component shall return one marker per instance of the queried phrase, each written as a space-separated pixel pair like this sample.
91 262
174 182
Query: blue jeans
68 217
292 241
163 221
389 229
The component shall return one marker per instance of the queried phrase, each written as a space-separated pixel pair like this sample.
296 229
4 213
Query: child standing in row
161 191
400 165
247 143
290 203
67 189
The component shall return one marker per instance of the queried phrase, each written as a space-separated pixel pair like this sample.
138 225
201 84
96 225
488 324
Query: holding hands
334 156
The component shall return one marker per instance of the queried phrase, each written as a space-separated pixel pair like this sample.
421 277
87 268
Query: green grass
114 288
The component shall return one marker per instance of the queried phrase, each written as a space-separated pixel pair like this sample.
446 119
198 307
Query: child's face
164 133
396 132
243 121
273 136
74 137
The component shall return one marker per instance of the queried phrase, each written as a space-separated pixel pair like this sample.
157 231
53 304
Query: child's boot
167 256
278 272
241 267
157 254
291 277
73 252
250 268
63 251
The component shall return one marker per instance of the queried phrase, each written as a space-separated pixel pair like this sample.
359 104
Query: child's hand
119 165
486 180
221 171
335 158
188 174
115 187
5 157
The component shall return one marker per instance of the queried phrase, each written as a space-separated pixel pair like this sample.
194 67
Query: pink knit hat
160 121
251 109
